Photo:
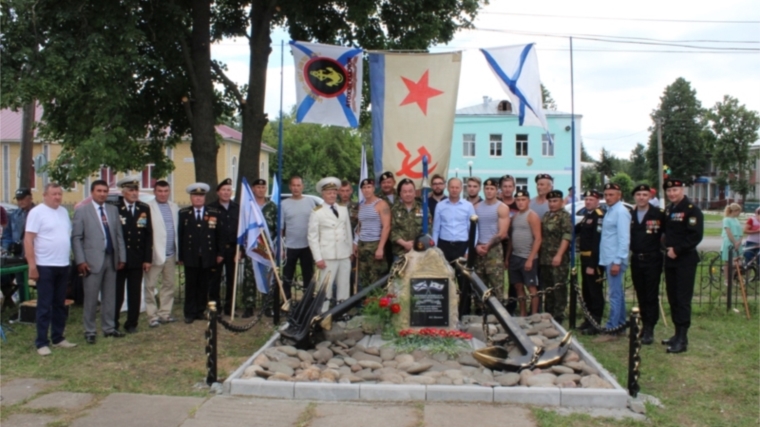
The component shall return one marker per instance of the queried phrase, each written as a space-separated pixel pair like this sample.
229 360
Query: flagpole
573 274
425 186
276 310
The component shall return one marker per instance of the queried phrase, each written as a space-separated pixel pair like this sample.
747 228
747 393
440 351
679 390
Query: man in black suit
229 211
138 237
201 249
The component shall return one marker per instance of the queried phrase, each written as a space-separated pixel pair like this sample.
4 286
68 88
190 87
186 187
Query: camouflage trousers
490 269
555 302
370 269
247 287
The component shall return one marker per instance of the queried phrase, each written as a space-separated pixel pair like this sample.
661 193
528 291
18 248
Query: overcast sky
616 88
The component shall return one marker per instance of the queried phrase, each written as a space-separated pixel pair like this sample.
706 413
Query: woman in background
732 235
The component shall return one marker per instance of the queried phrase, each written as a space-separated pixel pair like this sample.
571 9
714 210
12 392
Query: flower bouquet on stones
434 340
378 312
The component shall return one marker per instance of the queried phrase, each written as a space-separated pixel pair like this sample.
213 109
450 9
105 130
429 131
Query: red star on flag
419 92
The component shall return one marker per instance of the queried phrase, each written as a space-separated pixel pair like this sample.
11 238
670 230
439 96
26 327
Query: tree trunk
203 123
254 118
27 144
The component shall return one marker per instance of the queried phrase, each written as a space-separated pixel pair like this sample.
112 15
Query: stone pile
347 355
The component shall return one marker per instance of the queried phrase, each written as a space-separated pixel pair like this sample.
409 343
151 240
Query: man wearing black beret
229 211
589 232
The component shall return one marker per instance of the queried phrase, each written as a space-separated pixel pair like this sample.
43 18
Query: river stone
370 364
571 356
594 381
589 370
452 364
355 334
419 368
546 316
330 374
310 374
550 333
279 376
567 384
565 378
402 358
535 318
416 379
387 354
323 355
349 342
344 370
440 357
420 354
444 381
576 366
264 374
275 355
336 333
499 337
454 374
342 345
281 368
405 365
260 359
326 380
509 379
532 331
373 351
559 369
470 370
390 364
332 365
288 349
476 330
339 350
468 360
356 367
482 379
305 356
323 344
250 371
293 362
392 378
525 376
432 374
335 360
351 378
360 355
537 341
350 361
541 380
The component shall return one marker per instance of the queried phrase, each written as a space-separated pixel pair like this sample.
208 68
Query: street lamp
470 165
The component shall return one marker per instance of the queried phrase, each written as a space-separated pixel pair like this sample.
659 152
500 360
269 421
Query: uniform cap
224 182
611 186
592 193
403 182
554 194
23 192
522 193
132 181
260 181
329 183
366 181
505 178
491 181
641 187
386 175
198 188
544 176
671 183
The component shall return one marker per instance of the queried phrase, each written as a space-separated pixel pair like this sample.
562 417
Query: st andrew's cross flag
328 84
516 68
414 100
252 230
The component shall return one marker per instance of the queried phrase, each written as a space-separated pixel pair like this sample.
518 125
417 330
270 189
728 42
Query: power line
619 137
698 21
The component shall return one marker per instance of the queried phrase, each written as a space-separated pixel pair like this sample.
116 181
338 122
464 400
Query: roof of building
490 107
10 128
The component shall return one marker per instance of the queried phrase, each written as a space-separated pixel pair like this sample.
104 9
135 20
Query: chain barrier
590 319
211 344
634 352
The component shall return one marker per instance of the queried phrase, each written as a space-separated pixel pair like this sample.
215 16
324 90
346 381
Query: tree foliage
637 167
590 179
685 138
585 156
548 103
606 164
735 129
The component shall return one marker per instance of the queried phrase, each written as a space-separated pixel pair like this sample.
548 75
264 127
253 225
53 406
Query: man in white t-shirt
47 244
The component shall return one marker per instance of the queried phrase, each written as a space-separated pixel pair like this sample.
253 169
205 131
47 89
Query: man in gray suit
99 251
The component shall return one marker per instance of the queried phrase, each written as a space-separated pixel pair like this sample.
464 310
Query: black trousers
646 271
679 284
197 281
293 256
131 279
592 289
228 266
452 251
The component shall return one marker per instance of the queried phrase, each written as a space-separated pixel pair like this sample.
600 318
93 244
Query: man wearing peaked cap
201 241
589 232
229 212
554 257
647 226
137 228
544 184
683 232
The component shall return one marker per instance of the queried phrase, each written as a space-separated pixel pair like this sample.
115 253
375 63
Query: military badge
142 222
693 221
211 221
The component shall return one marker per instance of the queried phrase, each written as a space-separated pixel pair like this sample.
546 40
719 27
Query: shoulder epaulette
599 212
212 209
662 210
316 208
186 209
143 204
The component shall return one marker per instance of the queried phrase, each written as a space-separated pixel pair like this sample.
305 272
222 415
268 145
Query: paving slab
28 420
17 390
482 415
233 411
365 415
140 410
61 400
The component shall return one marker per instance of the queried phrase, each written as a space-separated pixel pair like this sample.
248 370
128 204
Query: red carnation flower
384 302
395 309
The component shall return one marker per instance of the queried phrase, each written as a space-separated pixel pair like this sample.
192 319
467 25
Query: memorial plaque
429 305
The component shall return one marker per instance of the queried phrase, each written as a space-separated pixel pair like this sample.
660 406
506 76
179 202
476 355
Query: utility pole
27 144
658 121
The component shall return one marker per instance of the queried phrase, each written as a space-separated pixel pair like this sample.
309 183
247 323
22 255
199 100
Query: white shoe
65 344
44 351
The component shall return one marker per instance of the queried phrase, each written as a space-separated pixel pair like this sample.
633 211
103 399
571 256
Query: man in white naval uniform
330 239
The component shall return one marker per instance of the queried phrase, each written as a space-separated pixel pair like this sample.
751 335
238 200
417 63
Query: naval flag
252 230
328 84
413 105
516 67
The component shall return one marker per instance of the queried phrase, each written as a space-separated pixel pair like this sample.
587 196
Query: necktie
198 215
104 219
335 211
132 210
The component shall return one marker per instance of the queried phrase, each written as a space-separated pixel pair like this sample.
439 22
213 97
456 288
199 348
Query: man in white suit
163 213
99 251
330 238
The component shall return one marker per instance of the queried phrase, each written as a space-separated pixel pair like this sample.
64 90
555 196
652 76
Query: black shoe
585 325
590 331
90 338
200 317
115 334
680 343
669 340
131 330
247 314
269 312
647 335
189 320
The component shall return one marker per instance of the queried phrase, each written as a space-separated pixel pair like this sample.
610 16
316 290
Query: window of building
521 145
521 184
148 181
468 145
109 176
234 169
547 148
495 145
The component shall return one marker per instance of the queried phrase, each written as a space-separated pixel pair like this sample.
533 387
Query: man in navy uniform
137 228
201 249
229 211
683 232
589 232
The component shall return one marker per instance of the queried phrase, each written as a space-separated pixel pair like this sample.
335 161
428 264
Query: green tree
685 138
590 179
626 185
735 129
638 163
548 102
585 156
606 164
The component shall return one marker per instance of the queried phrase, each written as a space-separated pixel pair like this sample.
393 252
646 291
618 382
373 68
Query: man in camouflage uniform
344 199
493 224
554 259
269 210
406 219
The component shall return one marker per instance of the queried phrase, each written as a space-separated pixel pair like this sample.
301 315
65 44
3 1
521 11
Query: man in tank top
522 251
373 232
493 223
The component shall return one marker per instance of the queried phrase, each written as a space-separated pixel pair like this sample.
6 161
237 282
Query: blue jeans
617 297
750 252
51 304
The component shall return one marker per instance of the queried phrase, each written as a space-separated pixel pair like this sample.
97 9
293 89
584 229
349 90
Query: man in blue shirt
450 231
613 255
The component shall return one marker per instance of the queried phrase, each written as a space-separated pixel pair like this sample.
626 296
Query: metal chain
637 352
590 319
210 350
538 294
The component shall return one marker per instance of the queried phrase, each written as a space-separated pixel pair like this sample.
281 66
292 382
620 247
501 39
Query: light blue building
488 139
